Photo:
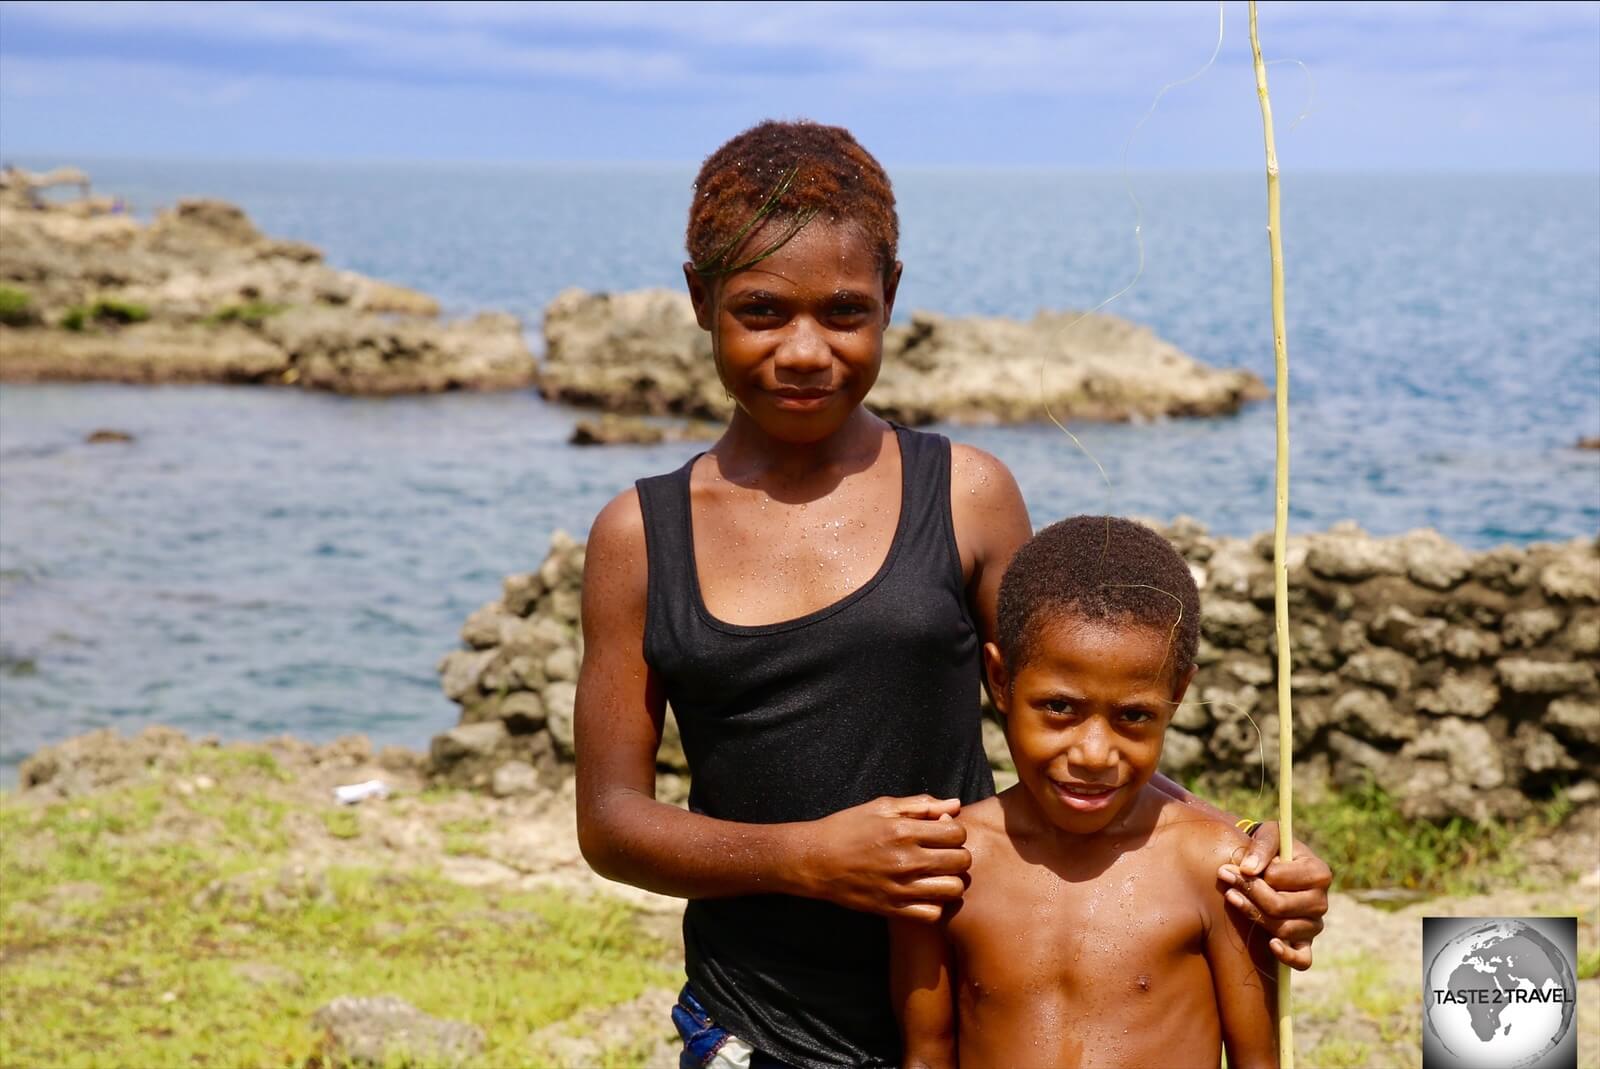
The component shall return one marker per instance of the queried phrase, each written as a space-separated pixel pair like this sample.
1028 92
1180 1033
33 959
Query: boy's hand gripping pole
1280 526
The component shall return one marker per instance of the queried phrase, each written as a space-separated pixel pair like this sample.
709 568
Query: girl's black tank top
876 694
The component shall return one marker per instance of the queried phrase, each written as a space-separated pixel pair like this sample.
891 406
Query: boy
1094 933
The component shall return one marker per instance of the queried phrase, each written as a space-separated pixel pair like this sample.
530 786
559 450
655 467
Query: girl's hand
1287 898
899 857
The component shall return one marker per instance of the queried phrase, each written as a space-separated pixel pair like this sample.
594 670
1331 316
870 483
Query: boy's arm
1288 898
1244 974
920 988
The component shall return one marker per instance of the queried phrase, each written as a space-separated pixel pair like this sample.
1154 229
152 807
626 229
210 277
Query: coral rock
386 1030
1527 676
1575 719
1460 694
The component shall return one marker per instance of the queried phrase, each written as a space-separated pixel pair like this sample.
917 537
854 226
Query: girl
811 596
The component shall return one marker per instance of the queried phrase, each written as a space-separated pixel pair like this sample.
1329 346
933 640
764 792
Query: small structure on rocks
1463 684
199 295
642 352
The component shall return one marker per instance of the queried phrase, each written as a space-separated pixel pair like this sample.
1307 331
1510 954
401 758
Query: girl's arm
891 856
991 522
920 989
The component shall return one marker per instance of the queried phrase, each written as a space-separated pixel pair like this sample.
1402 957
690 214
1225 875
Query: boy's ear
699 295
1181 686
994 668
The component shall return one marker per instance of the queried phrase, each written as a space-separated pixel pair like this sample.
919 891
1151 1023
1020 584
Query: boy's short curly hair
828 174
1104 568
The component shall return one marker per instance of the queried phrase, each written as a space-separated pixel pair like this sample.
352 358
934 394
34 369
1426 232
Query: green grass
125 915
1589 963
16 307
1338 1052
341 823
464 836
236 761
1389 1009
103 310
1368 843
250 313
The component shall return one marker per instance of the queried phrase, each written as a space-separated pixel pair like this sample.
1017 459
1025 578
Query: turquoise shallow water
264 560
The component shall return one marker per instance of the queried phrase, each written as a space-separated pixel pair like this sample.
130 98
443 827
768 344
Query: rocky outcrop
642 352
612 429
97 760
1463 684
385 1030
199 295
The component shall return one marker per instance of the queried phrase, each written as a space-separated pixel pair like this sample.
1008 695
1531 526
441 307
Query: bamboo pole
1280 527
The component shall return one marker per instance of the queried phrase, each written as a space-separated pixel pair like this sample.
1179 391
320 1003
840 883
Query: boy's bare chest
1024 928
761 559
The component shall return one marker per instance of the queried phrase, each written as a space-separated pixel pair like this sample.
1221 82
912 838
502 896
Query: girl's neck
746 453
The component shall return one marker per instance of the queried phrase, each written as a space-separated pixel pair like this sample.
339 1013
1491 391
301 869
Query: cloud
380 48
1450 84
25 78
993 49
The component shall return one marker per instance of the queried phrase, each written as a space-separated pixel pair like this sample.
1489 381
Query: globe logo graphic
1499 995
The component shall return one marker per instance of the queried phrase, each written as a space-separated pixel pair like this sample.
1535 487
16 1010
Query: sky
1388 87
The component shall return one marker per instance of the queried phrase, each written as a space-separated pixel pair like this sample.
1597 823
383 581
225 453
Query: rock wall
516 680
199 295
642 352
1463 684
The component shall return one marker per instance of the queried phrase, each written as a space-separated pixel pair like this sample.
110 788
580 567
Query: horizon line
8 156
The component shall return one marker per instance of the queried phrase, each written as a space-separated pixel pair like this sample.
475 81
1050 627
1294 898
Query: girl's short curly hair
1101 567
813 169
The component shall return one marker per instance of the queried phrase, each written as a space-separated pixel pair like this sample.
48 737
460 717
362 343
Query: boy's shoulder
985 824
985 817
1197 841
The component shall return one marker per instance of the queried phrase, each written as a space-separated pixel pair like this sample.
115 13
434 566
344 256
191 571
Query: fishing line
1311 91
1138 238
1172 640
1138 223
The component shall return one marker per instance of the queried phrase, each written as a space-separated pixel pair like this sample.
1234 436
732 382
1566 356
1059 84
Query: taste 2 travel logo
1499 992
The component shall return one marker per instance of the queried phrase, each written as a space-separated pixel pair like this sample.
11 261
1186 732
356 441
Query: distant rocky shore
87 293
642 352
1463 684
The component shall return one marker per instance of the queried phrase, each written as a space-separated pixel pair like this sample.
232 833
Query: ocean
262 561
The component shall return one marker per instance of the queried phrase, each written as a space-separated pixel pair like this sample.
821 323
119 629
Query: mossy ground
1360 1006
1371 846
146 926
199 911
